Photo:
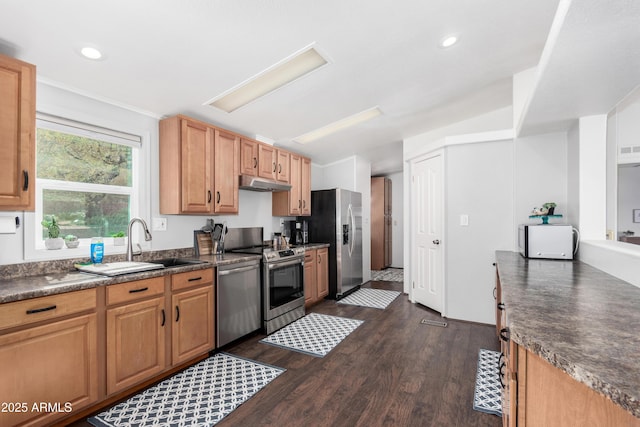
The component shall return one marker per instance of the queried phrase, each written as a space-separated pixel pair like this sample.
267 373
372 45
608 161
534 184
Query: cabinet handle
299 203
304 203
504 334
495 293
133 291
217 197
208 196
40 310
255 162
164 318
319 258
25 175
501 306
177 313
274 167
279 168
193 279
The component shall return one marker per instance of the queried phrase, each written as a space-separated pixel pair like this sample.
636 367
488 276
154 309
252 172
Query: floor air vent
433 323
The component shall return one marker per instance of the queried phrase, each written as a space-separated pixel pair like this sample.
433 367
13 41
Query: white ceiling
166 57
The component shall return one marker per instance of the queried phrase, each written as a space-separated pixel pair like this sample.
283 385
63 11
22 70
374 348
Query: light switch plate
159 224
464 220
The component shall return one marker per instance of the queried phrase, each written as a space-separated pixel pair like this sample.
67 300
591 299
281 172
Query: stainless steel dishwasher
238 301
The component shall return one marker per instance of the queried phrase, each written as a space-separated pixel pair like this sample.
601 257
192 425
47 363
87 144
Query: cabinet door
193 323
322 272
196 142
226 164
55 363
17 134
305 186
309 277
295 201
248 157
283 174
135 343
267 161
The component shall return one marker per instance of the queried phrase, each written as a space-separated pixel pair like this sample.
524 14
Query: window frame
138 139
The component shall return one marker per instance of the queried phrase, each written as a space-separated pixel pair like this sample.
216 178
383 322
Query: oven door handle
238 270
285 264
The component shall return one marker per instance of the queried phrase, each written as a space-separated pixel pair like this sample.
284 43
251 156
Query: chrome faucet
147 237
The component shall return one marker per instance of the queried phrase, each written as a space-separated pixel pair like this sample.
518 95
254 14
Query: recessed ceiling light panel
347 122
281 74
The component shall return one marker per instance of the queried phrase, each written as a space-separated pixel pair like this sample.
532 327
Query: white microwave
551 241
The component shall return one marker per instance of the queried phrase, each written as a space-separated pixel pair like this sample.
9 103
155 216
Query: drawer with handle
138 289
44 308
191 278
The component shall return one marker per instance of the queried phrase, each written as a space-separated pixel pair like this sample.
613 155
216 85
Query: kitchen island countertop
579 319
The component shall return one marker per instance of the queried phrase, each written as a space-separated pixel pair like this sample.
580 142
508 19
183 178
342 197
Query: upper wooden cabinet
297 201
248 157
17 134
226 154
305 186
283 173
267 161
199 168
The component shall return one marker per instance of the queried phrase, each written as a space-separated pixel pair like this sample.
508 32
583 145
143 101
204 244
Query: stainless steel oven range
283 287
282 277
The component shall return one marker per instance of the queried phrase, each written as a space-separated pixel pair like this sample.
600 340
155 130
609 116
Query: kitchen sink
177 262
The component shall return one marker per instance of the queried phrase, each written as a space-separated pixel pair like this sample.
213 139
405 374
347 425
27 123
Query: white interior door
427 225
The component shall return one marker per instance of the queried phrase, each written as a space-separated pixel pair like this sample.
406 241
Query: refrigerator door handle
352 227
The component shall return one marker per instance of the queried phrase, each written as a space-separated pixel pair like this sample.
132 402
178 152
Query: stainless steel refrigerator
336 218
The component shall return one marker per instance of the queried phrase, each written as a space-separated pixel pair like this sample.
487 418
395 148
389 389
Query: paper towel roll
7 225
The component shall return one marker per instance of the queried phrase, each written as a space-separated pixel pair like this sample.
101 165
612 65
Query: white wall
397 219
479 183
540 175
495 183
573 176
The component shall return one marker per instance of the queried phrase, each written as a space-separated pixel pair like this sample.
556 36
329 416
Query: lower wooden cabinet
135 343
51 369
316 275
193 322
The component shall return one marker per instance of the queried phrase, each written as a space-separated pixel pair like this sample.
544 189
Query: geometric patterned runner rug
314 334
388 274
367 297
488 394
201 395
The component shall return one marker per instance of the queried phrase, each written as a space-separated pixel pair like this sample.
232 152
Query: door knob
436 242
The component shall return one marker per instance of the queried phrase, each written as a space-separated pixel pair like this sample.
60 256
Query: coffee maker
299 232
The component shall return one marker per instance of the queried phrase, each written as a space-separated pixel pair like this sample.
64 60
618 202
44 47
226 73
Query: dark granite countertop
38 279
578 318
311 246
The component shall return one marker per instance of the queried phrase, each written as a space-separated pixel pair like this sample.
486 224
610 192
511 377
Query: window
85 176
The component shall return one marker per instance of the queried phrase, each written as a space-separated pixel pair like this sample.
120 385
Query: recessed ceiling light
91 52
353 120
281 74
449 41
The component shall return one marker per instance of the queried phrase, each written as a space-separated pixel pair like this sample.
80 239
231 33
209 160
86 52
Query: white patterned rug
488 394
199 396
367 297
314 334
388 274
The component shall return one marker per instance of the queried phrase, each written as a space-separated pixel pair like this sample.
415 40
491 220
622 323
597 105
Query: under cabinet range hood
254 183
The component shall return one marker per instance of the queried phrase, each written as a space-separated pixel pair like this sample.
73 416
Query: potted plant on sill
71 241
54 241
118 238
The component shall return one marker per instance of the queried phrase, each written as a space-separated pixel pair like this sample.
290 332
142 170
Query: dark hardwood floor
391 371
